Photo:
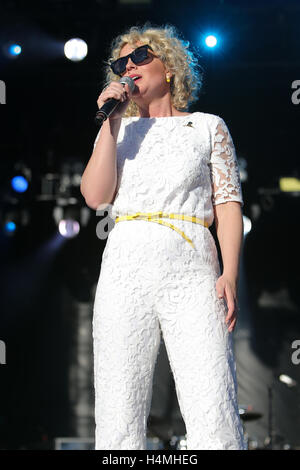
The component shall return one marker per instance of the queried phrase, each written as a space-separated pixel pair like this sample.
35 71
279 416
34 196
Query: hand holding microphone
114 100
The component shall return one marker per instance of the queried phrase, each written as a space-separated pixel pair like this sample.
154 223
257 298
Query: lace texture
225 174
153 283
182 164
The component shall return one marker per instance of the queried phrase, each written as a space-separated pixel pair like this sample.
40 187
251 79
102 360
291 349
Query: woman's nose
130 65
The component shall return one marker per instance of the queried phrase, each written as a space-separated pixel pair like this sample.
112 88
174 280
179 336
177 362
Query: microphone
107 109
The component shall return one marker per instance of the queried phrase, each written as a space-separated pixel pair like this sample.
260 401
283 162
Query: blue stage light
211 41
19 184
10 227
15 49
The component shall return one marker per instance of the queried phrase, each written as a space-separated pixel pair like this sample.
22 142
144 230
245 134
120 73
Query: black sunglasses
137 56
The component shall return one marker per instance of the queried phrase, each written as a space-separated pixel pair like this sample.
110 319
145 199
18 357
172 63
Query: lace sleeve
225 175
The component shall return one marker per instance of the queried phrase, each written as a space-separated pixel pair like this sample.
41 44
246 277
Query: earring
168 79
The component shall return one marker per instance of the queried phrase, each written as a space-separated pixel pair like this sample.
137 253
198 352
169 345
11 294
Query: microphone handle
105 111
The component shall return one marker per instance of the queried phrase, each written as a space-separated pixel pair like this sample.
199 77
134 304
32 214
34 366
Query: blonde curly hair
173 52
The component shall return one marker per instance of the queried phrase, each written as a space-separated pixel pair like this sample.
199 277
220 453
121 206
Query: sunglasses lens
119 65
137 56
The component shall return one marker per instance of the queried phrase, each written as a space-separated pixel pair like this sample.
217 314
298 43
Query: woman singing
166 175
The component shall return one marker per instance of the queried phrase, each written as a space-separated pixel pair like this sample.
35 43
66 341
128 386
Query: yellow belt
156 217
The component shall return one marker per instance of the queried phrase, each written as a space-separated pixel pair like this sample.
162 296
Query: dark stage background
48 282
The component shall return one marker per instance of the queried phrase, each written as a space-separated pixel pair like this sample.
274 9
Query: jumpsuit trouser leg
137 298
126 345
200 352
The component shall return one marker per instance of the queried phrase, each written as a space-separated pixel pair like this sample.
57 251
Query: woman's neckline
162 117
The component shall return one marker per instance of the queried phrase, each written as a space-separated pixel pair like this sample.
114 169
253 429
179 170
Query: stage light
14 49
75 49
286 379
289 184
69 228
69 218
19 184
70 214
10 227
20 177
11 50
13 219
211 41
247 225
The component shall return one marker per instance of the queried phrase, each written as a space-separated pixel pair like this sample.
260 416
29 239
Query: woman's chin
136 91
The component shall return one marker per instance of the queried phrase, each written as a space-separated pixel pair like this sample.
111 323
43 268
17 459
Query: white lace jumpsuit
153 281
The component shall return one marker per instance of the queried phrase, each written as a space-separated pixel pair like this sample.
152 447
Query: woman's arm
99 180
229 229
227 202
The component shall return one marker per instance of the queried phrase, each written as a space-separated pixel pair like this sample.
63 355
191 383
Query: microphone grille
129 81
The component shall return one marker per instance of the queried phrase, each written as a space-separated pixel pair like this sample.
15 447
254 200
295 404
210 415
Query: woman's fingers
113 90
226 290
232 309
127 91
231 326
118 92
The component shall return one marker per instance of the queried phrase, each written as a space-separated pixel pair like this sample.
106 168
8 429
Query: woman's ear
168 75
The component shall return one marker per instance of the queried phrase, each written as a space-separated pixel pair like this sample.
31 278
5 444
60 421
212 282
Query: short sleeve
225 174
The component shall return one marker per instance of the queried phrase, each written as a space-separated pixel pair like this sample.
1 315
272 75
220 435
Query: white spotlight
69 228
75 49
286 379
211 41
247 225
